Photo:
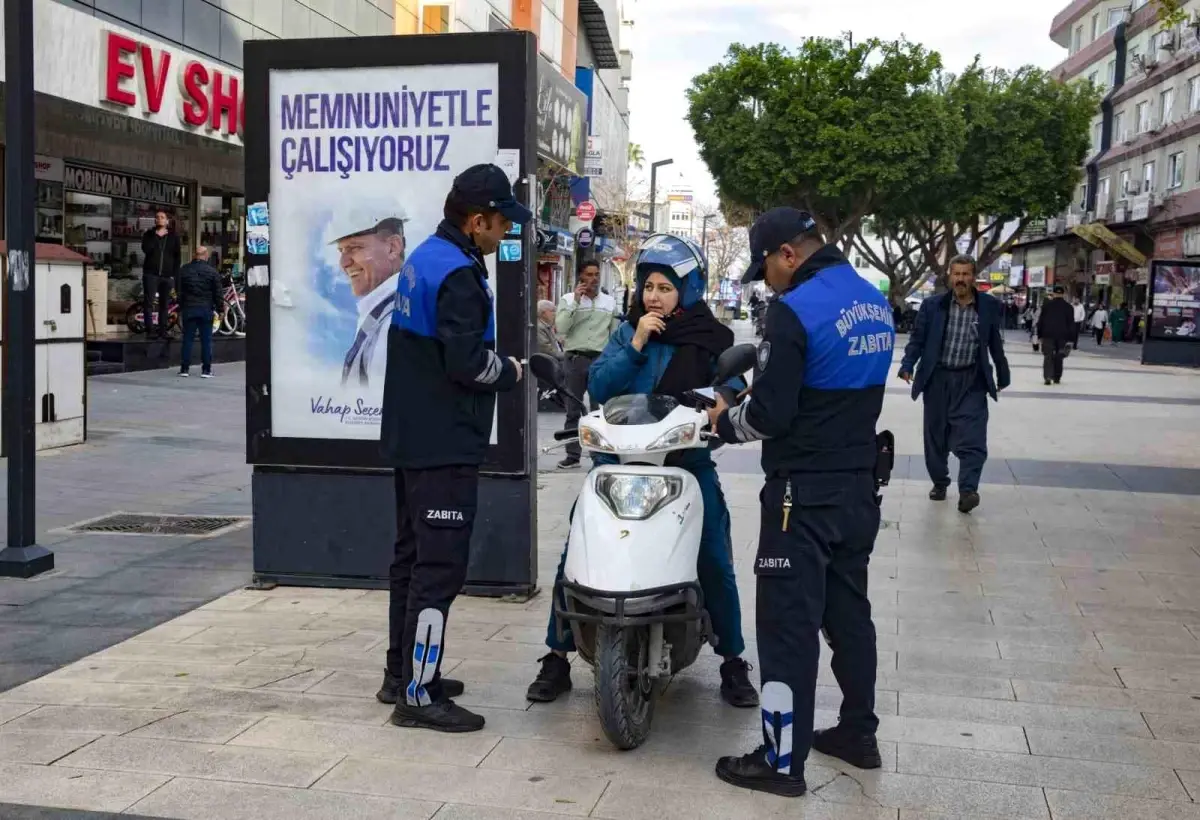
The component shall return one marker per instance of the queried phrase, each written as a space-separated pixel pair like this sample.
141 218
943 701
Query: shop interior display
109 230
49 221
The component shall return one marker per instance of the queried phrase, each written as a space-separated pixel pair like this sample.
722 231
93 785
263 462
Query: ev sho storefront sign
361 162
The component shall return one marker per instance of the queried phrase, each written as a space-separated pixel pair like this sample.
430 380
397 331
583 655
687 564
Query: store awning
596 29
1097 234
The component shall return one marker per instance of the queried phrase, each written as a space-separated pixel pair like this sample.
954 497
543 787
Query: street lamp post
21 557
704 233
654 166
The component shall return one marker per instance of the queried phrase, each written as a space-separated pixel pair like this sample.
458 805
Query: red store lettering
208 97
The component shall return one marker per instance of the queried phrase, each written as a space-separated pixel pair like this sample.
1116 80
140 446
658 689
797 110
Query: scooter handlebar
565 435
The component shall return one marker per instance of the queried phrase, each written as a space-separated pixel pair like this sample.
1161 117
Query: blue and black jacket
442 368
822 369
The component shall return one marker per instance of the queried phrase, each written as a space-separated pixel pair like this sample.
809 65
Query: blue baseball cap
487 187
772 229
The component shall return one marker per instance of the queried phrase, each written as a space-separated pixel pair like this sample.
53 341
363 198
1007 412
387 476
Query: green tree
1171 13
1025 138
637 156
835 127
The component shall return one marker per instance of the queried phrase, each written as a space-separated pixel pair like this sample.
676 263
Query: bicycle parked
233 317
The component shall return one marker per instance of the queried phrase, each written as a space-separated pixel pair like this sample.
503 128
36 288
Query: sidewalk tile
383 742
40 747
1073 805
74 788
1114 749
1014 713
458 784
197 727
206 761
85 720
188 799
1046 772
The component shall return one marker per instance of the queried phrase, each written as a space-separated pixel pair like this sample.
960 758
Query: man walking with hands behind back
585 320
1056 329
952 339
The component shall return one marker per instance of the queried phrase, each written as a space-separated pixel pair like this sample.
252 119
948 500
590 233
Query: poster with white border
361 162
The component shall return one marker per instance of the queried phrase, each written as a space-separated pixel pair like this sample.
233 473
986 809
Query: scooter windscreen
639 409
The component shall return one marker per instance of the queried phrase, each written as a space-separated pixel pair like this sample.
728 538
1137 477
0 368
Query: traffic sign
586 211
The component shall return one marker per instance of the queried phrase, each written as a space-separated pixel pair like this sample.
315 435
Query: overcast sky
674 40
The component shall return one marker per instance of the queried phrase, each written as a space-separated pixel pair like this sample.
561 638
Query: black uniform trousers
1054 352
576 376
812 577
435 513
956 418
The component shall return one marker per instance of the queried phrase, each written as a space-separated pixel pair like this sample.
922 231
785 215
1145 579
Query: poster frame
1155 264
515 55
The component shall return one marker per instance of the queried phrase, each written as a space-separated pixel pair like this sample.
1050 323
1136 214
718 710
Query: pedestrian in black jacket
1056 327
160 268
200 300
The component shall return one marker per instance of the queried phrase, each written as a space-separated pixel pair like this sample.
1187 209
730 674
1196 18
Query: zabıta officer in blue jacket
443 374
669 345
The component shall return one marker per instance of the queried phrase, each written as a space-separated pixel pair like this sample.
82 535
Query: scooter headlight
679 436
637 497
589 437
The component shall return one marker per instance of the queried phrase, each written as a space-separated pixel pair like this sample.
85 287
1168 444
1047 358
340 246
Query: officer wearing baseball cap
817 393
443 374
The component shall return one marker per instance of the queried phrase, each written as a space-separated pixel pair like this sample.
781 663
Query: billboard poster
1175 302
361 162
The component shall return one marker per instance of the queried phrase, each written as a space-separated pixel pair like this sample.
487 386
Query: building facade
583 79
139 109
1140 195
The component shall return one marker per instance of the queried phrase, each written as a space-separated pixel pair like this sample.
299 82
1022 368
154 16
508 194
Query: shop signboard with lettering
561 118
125 186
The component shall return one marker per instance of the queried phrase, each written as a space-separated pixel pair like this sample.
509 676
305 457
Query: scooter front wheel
625 694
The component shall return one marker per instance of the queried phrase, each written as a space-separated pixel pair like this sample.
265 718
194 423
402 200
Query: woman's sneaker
553 680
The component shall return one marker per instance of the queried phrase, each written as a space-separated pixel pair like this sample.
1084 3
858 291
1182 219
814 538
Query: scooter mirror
546 368
734 362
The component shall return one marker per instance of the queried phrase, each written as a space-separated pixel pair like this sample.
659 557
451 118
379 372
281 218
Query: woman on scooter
668 345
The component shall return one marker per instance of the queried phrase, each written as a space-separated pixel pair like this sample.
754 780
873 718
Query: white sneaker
206 375
182 374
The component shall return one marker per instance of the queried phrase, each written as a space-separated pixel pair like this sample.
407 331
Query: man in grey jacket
585 318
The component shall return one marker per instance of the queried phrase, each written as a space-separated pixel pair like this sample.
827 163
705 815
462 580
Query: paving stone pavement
1038 659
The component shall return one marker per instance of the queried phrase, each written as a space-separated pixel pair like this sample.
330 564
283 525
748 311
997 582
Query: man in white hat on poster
371 248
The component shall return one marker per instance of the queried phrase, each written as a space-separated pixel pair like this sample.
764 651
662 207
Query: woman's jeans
193 322
714 566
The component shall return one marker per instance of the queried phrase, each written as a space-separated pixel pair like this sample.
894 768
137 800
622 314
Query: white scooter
633 601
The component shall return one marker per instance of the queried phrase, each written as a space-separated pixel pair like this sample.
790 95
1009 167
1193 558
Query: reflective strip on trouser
427 652
778 717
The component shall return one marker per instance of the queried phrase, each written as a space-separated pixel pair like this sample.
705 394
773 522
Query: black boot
752 771
443 716
968 502
389 692
736 688
553 680
857 750
938 493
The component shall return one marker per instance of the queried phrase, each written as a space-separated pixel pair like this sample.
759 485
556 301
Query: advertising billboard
361 162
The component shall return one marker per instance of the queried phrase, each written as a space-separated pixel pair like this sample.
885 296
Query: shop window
435 19
64 299
222 229
1175 170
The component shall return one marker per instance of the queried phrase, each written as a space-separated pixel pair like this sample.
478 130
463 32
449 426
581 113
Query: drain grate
122 523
